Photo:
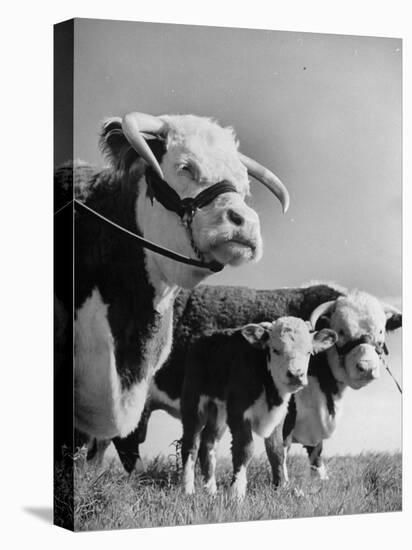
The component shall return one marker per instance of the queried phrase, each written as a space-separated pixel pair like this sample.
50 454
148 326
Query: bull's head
191 154
360 320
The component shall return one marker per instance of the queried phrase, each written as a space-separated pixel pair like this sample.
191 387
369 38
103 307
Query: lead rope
391 375
213 265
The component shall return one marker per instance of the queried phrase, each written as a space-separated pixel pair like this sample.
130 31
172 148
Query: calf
242 378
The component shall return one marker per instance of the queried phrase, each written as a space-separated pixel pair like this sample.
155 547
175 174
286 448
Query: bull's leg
211 435
242 452
95 452
277 453
317 465
128 447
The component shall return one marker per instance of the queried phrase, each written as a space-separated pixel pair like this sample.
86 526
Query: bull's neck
165 228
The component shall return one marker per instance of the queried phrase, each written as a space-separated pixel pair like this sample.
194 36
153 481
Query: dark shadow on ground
44 513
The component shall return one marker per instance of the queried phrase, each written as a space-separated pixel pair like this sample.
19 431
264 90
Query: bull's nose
234 217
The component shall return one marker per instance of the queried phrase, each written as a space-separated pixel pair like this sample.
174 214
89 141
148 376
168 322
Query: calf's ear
324 339
256 334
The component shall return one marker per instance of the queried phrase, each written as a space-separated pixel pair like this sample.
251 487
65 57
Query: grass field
107 498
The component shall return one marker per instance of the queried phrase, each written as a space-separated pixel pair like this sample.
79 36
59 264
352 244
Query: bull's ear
394 321
324 339
117 148
256 334
113 142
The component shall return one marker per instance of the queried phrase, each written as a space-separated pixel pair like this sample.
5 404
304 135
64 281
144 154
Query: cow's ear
256 334
393 321
323 322
324 339
393 316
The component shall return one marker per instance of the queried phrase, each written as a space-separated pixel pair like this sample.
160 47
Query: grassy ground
107 498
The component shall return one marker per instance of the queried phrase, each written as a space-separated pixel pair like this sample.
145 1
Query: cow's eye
341 333
276 351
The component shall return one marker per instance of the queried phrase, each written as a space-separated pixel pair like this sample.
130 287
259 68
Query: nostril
235 217
295 378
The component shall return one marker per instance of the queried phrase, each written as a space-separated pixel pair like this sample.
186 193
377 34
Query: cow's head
191 154
360 320
289 343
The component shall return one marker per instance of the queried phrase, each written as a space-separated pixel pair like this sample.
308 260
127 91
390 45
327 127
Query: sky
321 111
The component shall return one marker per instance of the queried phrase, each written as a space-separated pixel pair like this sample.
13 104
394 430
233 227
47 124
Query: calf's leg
317 465
242 452
277 454
193 424
210 437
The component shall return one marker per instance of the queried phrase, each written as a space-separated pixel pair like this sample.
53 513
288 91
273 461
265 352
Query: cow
177 182
208 308
242 378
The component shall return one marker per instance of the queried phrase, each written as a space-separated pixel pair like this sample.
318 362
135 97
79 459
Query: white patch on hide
189 476
210 484
263 420
161 399
285 464
313 421
238 487
102 409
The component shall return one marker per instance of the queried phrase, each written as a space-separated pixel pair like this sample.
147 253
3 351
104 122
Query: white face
198 155
289 344
356 316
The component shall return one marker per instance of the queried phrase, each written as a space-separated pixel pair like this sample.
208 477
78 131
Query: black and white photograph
227 274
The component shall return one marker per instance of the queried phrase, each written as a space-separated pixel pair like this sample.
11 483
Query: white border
26 267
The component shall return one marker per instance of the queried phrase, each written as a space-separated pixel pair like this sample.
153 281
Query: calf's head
289 343
191 154
360 320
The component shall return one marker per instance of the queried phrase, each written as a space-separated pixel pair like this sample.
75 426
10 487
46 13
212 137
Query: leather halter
184 208
167 196
364 339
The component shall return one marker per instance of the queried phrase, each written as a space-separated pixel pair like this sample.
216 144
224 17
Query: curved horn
135 123
320 310
268 179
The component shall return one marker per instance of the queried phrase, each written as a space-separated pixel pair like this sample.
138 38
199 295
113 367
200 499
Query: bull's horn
135 123
322 309
268 179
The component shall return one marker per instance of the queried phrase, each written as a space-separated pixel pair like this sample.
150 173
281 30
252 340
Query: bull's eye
187 170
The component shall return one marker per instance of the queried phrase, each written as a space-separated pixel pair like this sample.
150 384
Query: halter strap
364 339
167 196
